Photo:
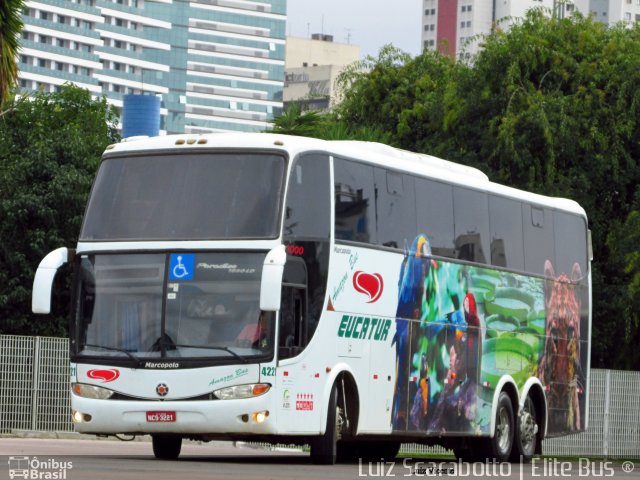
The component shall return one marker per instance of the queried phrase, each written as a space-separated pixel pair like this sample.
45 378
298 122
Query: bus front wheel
324 447
166 447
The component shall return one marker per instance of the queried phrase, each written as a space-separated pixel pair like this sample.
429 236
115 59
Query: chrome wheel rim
528 428
503 430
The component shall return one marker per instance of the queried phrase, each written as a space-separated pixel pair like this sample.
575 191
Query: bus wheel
323 447
166 447
499 447
526 434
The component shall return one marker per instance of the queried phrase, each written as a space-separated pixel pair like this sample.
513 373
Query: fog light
76 416
259 417
79 417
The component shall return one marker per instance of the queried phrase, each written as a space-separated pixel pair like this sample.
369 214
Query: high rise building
455 27
218 65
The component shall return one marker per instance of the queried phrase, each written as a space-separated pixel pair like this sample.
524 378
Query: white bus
346 295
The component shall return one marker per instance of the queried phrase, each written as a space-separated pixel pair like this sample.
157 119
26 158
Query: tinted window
308 208
354 202
182 197
471 210
505 223
306 233
570 243
396 208
434 210
538 237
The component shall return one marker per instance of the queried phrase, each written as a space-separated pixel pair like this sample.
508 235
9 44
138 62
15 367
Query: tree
10 28
50 148
323 125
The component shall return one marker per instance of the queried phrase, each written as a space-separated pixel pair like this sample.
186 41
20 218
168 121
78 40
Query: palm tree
10 27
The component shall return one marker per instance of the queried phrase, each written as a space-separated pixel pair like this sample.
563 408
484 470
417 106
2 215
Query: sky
370 24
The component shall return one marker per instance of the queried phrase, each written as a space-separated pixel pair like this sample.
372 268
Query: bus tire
324 447
526 433
166 447
499 447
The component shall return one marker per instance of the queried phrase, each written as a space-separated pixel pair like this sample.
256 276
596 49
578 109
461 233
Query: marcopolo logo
364 328
33 468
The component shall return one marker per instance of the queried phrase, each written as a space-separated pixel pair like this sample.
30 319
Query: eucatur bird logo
370 284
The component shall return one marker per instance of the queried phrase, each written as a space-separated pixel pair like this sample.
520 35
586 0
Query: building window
627 16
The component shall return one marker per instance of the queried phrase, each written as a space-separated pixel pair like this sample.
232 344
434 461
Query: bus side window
471 224
395 208
538 237
355 215
434 211
505 222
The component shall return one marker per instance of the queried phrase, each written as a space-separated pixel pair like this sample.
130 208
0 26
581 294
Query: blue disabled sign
182 266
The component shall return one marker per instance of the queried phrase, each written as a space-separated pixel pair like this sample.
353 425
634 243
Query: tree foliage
551 106
50 148
10 28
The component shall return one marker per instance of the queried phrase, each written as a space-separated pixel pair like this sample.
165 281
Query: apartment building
455 27
217 65
312 66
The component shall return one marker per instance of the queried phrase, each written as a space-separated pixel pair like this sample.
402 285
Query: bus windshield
210 308
195 196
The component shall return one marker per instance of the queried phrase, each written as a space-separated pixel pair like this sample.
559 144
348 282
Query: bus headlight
91 391
242 391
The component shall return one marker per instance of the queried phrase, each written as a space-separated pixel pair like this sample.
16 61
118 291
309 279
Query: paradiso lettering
364 328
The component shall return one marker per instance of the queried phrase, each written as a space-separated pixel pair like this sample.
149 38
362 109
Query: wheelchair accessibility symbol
181 266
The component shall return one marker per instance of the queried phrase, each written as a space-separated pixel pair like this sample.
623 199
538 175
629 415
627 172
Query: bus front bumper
241 416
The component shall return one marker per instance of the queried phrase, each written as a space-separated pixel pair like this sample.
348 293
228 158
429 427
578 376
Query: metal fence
34 395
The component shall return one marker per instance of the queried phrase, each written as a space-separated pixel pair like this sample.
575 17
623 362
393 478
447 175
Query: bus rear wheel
526 433
499 447
166 447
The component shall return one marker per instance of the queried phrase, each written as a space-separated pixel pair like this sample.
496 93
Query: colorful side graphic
460 328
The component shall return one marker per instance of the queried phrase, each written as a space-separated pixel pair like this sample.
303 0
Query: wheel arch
533 387
341 373
506 384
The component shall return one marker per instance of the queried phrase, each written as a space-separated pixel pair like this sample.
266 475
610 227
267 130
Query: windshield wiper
216 347
113 349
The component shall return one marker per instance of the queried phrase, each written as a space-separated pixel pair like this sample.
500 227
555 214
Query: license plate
161 416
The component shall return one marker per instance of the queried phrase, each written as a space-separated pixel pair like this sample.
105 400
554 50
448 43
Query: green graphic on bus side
364 328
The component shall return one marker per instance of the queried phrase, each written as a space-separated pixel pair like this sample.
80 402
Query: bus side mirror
271 282
43 281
